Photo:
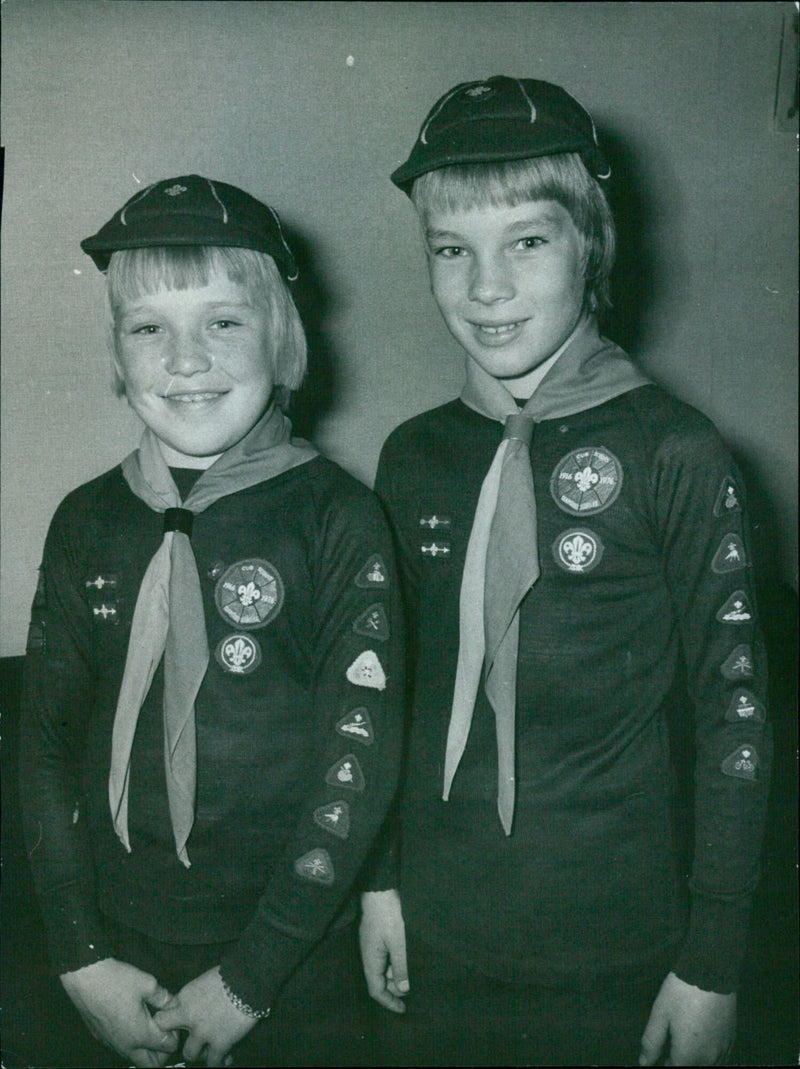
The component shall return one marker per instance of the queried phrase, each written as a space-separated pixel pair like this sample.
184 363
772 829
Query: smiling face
196 365
509 283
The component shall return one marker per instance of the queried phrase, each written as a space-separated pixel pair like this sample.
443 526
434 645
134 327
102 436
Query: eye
530 243
148 328
449 252
225 324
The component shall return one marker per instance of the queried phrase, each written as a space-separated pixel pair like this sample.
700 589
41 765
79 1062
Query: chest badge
434 521
239 654
435 550
250 594
586 481
357 725
578 551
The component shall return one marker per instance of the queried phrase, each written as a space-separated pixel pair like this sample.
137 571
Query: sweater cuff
255 969
713 953
75 936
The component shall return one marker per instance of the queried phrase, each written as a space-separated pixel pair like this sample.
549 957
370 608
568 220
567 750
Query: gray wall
310 106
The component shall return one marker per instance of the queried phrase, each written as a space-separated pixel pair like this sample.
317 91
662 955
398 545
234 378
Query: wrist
242 1006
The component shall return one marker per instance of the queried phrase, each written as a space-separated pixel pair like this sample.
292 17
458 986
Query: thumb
654 1037
159 998
397 972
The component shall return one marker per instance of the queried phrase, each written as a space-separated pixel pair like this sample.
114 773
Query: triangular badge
316 866
736 609
728 498
739 665
334 817
374 574
346 773
357 725
745 707
373 623
366 671
730 556
742 763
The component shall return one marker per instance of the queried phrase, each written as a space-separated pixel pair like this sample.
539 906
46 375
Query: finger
193 1049
160 998
653 1040
143 1056
215 1055
398 967
389 1000
170 1019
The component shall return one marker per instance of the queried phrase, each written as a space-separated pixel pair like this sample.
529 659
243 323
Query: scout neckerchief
168 619
502 560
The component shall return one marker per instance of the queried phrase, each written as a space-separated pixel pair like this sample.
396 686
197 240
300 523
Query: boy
573 582
213 669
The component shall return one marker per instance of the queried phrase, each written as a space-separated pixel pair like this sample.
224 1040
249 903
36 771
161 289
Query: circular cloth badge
250 594
239 654
586 481
579 550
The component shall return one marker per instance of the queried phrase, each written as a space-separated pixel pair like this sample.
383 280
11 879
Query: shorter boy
574 552
211 721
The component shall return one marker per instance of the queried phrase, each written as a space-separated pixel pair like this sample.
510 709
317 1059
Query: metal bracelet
241 1005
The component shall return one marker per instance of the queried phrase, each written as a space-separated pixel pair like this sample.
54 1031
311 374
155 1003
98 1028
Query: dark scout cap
192 210
502 119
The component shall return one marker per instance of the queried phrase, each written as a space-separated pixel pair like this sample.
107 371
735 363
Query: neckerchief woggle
168 619
502 559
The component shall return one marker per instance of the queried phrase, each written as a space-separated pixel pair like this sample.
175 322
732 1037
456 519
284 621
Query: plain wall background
310 106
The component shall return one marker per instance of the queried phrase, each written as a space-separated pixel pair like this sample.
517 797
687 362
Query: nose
187 354
490 280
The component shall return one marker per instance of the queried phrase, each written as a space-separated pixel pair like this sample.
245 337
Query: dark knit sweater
296 763
643 549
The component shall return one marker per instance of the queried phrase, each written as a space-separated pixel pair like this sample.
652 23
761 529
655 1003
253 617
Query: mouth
194 398
498 333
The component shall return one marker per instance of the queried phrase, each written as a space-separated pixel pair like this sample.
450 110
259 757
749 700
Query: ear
118 380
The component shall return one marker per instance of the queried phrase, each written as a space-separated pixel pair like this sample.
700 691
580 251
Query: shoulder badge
728 499
357 725
373 574
346 773
736 609
367 671
742 763
373 623
315 866
249 594
334 817
745 707
739 664
586 481
730 556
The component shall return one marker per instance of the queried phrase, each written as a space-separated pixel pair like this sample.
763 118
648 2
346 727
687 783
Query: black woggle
178 520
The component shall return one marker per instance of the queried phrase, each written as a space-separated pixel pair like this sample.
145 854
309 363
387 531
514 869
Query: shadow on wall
313 298
637 281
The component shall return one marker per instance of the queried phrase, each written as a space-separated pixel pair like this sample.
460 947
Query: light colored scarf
502 560
169 620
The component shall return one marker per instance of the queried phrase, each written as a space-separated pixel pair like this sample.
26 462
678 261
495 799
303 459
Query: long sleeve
58 696
353 770
701 514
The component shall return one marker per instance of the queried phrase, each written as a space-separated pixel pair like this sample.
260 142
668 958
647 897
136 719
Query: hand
701 1026
383 948
113 998
214 1024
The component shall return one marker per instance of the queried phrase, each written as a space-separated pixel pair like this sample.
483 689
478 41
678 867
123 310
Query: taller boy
574 549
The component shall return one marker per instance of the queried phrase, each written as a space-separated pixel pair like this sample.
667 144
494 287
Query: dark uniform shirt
644 615
298 723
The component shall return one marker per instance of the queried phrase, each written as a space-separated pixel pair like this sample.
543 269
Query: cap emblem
478 92
175 191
